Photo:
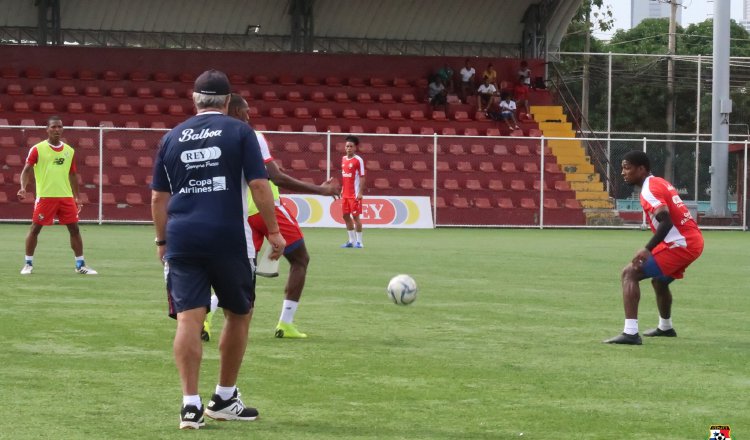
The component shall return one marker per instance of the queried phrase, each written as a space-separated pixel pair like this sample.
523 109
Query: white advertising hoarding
377 211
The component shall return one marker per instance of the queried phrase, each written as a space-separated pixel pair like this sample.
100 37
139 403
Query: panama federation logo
719 432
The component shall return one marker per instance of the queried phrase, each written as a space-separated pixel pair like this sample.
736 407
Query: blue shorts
652 270
189 283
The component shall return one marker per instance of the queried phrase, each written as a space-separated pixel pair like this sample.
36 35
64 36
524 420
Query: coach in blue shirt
199 190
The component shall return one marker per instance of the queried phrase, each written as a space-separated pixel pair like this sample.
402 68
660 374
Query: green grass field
503 342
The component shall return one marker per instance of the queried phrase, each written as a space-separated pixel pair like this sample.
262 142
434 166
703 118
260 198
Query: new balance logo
59 161
190 415
236 408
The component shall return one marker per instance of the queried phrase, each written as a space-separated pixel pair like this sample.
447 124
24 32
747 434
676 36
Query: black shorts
189 283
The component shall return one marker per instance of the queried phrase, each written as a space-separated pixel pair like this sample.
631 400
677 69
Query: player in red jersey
676 243
352 189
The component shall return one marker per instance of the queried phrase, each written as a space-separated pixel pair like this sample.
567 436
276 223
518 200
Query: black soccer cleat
659 332
626 339
231 409
191 417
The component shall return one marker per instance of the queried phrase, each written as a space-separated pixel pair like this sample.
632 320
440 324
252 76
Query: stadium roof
499 22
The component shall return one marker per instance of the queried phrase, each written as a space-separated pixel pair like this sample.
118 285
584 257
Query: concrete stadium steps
577 166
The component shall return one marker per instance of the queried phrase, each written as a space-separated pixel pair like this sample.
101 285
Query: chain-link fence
469 180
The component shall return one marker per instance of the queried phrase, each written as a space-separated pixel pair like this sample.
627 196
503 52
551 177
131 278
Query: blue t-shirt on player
205 163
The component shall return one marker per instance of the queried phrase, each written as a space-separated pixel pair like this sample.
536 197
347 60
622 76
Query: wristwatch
160 242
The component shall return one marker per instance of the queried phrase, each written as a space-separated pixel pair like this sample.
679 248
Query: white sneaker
27 269
85 270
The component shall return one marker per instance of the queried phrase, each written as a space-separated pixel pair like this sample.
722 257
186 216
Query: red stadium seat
373 165
396 165
439 115
318 97
364 98
493 132
99 108
326 113
473 184
464 166
310 80
294 96
111 75
277 112
482 203
500 150
572 204
125 109
138 144
390 148
456 149
47 107
417 115
460 202
14 90
91 161
68 91
86 75
427 184
374 114
461 116
451 184
522 150
440 202
356 82
381 183
22 107
163 77
261 80
550 203
517 185
350 113
169 93
341 97
508 167
112 144
487 167
119 162
134 199
382 129
406 183
386 98
270 96
92 91
408 98
530 167
448 131
528 203
302 113
127 180
405 130
13 160
496 185
146 162
561 185
419 165
151 109
478 150
412 149
299 165
395 115
40 90
108 199
237 79
505 203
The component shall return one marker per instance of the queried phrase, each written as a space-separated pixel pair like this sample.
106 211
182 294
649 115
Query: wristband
160 242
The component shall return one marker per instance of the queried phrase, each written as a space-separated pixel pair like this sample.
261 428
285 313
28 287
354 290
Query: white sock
631 326
192 400
665 324
288 309
225 393
359 236
214 303
30 259
79 259
352 237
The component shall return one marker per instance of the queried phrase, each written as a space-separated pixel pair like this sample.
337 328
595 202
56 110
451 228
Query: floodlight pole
721 107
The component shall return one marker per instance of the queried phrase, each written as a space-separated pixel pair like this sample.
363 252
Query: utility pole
586 61
669 160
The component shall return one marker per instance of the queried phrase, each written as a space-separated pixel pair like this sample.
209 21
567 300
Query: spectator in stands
446 74
437 94
352 190
525 72
53 164
203 170
491 74
508 111
295 251
487 93
521 94
467 80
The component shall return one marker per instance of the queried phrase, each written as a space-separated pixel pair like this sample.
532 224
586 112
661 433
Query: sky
693 11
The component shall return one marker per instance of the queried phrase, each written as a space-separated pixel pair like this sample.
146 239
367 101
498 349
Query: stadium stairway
579 171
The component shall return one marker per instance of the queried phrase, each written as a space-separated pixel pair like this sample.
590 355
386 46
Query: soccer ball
402 289
719 436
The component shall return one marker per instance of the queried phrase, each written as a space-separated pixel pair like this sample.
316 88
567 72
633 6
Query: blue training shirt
206 163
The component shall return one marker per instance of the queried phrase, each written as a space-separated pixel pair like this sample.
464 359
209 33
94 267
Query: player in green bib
52 163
